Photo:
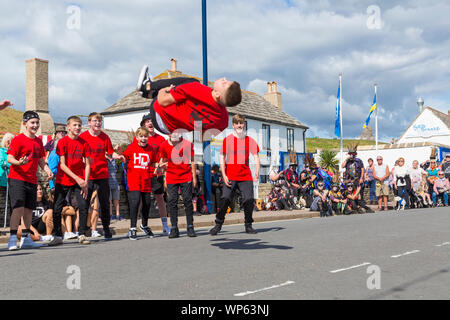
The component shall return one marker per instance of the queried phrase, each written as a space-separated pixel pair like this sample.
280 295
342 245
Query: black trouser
186 194
246 189
134 198
60 202
102 187
161 84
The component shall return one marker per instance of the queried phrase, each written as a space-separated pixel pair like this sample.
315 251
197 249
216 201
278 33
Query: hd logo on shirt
141 160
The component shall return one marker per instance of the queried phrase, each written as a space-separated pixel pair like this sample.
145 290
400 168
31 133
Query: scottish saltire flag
372 109
337 124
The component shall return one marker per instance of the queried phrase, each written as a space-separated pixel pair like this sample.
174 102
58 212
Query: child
25 154
139 157
185 103
423 192
72 175
100 145
178 153
234 164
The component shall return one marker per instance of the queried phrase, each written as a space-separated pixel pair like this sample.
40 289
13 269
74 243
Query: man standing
100 145
157 181
354 169
381 175
234 164
445 166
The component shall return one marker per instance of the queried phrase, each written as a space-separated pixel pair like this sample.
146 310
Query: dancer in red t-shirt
234 164
72 176
140 157
25 154
178 155
100 145
184 103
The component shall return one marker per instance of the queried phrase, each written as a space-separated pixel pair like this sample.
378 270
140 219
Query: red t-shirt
194 103
74 151
154 141
99 146
138 167
179 161
21 146
237 152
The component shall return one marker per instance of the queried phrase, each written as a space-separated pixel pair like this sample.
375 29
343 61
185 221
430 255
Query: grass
11 119
312 144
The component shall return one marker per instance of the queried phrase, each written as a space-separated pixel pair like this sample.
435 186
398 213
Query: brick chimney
272 95
36 93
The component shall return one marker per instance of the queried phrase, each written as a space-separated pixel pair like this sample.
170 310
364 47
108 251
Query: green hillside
333 144
11 119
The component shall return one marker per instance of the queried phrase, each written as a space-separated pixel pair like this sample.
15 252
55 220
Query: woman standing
371 181
400 181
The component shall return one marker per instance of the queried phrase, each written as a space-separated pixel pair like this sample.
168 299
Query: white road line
443 244
352 267
405 254
241 294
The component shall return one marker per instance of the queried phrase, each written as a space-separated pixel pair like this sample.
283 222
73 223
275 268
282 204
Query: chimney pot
174 65
272 95
274 86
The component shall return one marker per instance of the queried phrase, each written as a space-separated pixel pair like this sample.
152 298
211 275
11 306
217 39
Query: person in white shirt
400 181
381 175
416 173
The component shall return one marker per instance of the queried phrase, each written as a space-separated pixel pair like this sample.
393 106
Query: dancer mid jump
184 103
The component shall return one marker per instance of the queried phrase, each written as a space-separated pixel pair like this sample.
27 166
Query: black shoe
107 234
191 232
359 210
57 241
132 234
368 210
147 230
143 79
214 231
249 229
174 233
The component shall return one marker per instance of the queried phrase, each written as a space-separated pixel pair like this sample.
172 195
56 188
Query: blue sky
403 46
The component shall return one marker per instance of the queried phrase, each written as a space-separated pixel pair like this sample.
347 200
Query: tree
328 159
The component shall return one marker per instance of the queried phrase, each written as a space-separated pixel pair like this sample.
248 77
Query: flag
337 124
372 109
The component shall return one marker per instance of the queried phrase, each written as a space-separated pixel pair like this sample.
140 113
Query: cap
28 115
145 117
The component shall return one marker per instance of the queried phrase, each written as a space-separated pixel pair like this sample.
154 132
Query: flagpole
376 121
340 116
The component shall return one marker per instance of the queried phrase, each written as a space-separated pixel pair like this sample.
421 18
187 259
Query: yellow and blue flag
372 109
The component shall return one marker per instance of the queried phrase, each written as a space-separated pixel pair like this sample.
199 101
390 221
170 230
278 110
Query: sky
96 49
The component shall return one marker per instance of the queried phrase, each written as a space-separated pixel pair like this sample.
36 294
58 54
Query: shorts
381 190
157 185
39 225
114 194
22 194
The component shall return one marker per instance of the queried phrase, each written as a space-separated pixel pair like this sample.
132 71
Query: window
290 139
266 137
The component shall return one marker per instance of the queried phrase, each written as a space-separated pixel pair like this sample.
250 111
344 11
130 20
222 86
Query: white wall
420 154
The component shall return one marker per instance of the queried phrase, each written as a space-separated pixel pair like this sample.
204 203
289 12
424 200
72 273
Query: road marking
443 244
352 267
405 254
241 294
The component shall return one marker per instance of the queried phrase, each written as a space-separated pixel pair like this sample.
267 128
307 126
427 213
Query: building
276 132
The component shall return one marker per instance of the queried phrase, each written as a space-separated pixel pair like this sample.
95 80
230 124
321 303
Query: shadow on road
9 254
246 244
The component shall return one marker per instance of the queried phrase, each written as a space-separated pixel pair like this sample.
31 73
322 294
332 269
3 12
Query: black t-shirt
38 212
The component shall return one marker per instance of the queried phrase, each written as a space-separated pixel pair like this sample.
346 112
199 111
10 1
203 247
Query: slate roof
252 106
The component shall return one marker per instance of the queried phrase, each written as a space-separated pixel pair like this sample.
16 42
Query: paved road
318 258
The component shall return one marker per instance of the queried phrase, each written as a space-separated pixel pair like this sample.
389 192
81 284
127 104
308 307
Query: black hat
28 115
145 117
